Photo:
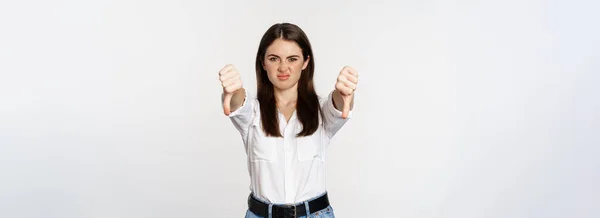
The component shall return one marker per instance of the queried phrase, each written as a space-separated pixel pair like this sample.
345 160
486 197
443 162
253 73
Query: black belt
284 211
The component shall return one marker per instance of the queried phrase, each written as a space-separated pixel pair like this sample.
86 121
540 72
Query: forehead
284 47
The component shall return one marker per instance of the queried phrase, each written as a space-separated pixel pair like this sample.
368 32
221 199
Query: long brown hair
307 105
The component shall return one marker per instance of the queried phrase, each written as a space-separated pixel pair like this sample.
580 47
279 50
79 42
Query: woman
286 128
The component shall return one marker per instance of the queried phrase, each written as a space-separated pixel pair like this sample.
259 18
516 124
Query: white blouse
289 169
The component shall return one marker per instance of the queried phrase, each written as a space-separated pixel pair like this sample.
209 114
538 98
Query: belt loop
270 210
307 209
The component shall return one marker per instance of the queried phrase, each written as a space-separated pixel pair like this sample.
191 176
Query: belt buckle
291 213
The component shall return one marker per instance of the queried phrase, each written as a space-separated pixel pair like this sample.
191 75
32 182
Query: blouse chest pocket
309 148
261 147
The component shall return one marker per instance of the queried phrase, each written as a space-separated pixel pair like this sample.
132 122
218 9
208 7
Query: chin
284 85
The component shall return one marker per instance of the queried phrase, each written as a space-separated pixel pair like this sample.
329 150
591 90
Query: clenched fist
231 82
346 85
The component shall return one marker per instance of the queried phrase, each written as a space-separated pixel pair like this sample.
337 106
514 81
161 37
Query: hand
346 84
231 82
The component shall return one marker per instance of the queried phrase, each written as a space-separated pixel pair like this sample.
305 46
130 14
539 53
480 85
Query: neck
286 96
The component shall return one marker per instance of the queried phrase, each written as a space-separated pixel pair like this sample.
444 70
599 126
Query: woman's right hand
232 84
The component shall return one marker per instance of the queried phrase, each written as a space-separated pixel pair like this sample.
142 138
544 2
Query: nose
282 67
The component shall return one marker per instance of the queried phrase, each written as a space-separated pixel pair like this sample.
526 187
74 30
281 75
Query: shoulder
252 99
322 99
255 104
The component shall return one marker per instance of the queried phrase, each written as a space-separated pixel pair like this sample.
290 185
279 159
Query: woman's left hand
346 85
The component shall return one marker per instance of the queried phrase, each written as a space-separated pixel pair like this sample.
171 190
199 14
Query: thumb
226 104
346 109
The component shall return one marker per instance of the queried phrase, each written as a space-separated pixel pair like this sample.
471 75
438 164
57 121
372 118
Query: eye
273 59
293 59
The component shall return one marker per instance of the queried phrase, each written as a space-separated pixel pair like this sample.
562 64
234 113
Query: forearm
237 100
338 100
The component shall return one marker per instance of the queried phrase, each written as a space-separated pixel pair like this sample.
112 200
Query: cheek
270 68
268 65
271 71
297 70
297 66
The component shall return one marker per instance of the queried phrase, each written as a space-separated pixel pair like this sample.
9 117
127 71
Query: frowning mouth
283 76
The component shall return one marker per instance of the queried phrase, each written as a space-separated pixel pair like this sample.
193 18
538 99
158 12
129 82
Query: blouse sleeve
242 117
332 117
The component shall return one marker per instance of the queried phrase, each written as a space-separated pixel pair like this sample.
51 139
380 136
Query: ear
306 62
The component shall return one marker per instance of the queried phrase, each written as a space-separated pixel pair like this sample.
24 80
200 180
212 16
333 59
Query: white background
464 108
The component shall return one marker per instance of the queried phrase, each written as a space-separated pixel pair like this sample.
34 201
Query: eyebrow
291 56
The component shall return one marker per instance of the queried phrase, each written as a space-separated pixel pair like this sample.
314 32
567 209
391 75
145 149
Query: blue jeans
324 213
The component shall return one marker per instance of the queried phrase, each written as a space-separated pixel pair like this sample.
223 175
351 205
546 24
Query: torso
286 169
